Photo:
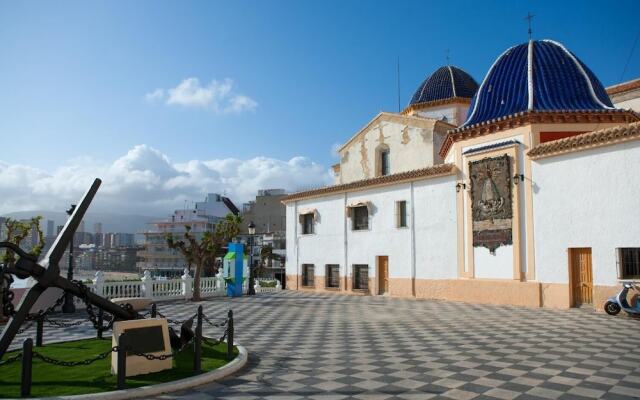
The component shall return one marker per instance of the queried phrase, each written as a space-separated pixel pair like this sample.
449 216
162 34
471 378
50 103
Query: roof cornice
624 87
408 176
588 140
434 103
536 117
422 122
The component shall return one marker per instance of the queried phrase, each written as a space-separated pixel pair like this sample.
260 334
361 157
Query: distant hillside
110 222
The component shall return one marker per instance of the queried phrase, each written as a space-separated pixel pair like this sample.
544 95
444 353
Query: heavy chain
26 328
62 363
151 357
217 342
42 313
217 325
63 323
11 359
175 321
7 295
89 308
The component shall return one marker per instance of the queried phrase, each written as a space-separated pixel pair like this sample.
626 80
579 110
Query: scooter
619 302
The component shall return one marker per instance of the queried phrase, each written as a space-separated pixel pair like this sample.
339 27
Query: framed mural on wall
491 203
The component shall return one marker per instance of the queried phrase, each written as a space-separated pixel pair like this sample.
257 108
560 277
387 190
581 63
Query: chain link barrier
11 359
216 325
175 321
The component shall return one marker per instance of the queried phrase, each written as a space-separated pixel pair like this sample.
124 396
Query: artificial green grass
53 380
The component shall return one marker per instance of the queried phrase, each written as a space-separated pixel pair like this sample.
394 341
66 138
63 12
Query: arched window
383 166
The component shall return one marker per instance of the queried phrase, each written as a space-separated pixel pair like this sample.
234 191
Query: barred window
361 277
308 274
360 218
332 276
307 224
628 262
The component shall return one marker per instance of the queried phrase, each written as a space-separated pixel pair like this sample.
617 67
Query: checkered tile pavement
326 346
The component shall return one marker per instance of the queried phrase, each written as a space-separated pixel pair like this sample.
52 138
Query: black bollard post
27 359
39 331
122 361
197 344
154 310
100 322
230 335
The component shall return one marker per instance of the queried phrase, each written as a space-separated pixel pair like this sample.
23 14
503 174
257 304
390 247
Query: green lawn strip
53 380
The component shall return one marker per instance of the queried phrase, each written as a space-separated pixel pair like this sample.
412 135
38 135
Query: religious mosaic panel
491 202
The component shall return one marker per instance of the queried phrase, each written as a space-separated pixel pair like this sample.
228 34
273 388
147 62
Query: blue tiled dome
539 75
446 83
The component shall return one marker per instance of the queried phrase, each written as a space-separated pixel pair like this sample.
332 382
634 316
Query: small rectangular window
307 224
308 275
332 276
361 277
628 263
360 218
401 217
384 163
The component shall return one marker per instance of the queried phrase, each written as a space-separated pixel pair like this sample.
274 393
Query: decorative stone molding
417 174
536 117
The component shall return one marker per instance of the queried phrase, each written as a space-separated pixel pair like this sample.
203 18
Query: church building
519 190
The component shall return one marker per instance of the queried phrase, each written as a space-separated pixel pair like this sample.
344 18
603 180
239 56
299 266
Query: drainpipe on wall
413 245
295 240
346 268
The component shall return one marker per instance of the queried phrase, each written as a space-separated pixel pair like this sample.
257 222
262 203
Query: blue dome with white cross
540 75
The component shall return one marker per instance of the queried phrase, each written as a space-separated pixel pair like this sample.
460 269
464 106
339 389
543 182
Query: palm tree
266 254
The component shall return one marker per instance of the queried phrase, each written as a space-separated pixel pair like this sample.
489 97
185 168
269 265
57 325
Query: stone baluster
219 281
98 283
147 284
278 285
187 285
256 286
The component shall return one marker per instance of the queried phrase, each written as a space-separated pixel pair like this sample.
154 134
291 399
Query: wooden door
581 276
383 274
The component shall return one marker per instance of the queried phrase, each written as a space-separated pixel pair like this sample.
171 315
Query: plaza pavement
325 346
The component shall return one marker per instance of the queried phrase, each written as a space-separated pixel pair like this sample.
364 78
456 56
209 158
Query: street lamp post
252 231
68 307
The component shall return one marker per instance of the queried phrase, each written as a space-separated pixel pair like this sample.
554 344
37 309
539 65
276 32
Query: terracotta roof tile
624 87
587 140
416 174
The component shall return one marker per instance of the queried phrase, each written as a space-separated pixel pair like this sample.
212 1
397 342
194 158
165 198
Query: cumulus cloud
145 181
218 96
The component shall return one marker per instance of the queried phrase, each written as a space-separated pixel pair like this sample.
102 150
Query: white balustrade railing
159 289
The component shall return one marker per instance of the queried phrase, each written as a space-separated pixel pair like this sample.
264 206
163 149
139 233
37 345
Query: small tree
266 255
17 231
228 228
195 252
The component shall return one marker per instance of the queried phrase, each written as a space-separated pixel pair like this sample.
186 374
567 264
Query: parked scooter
619 301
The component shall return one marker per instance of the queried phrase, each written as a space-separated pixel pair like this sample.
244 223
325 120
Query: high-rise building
266 212
50 225
97 228
158 257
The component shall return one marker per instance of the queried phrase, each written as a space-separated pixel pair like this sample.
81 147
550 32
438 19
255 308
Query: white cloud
218 96
156 95
335 150
145 181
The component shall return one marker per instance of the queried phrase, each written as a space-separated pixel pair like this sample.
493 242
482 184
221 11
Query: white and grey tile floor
325 346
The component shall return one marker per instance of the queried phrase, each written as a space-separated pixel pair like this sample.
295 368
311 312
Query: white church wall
410 147
326 244
382 238
435 228
586 199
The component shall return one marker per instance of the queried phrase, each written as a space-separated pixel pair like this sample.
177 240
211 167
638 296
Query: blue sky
74 76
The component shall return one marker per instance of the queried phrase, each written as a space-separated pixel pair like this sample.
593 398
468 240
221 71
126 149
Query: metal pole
27 358
100 322
251 291
68 307
197 344
230 335
122 361
154 310
39 331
